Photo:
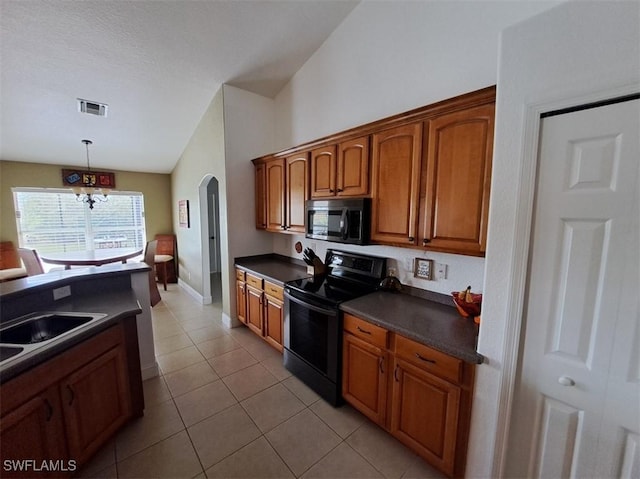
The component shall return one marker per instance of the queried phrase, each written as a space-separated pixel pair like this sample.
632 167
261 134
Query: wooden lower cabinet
419 395
33 431
255 310
424 414
64 410
97 403
364 378
260 305
273 321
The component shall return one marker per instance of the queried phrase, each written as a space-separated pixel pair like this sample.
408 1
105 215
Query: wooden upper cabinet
341 170
458 177
274 194
395 183
261 204
323 172
297 191
352 177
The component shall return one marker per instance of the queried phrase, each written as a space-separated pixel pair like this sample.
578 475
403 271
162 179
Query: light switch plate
423 268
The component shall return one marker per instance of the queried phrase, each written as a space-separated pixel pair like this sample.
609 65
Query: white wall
236 127
203 155
249 133
392 56
575 53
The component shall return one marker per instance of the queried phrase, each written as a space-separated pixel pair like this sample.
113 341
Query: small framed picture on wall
183 214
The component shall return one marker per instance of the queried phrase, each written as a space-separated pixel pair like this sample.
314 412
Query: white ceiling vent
92 107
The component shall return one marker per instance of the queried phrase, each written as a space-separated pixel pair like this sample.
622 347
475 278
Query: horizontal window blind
53 220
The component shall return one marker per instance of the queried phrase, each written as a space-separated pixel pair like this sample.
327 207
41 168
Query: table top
91 258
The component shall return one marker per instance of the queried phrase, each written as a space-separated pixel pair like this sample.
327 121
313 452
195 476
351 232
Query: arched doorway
210 237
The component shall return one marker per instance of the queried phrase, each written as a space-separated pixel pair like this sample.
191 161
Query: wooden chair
10 265
31 261
165 257
149 255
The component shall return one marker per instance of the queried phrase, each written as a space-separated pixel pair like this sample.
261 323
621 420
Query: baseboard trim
151 371
192 292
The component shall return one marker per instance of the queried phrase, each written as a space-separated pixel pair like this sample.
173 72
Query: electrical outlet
408 264
441 270
59 293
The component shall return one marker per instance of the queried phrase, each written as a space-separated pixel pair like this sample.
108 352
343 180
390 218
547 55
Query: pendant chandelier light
88 193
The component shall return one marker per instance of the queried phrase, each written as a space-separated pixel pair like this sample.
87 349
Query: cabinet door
323 172
274 194
352 177
241 301
254 310
395 184
424 414
261 200
34 431
364 377
297 191
458 179
96 402
273 316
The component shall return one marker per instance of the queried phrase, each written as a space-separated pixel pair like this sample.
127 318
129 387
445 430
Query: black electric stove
313 323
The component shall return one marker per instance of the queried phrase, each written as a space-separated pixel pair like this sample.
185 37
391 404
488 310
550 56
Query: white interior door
577 401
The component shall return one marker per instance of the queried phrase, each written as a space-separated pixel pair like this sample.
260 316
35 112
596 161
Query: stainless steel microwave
339 220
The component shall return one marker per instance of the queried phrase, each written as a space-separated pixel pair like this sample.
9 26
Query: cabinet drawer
273 290
365 330
440 364
254 281
240 275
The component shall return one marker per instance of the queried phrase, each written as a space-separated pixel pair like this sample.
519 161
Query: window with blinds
52 220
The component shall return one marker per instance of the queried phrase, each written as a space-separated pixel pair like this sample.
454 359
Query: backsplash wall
462 271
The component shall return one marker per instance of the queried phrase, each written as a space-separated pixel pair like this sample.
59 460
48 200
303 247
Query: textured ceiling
157 64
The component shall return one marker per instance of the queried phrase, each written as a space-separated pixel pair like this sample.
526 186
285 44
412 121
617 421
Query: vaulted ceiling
156 64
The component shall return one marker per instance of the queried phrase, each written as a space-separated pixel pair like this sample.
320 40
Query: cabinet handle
426 360
331 190
73 395
363 330
411 239
380 361
395 374
49 410
283 227
426 241
340 190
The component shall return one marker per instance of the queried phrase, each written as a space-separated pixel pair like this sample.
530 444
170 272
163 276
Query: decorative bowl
467 309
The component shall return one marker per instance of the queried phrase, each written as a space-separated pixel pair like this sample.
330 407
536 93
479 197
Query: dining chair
165 258
31 261
149 258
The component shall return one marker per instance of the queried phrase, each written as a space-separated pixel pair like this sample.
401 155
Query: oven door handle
313 307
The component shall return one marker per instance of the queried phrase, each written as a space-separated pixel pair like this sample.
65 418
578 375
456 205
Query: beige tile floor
225 407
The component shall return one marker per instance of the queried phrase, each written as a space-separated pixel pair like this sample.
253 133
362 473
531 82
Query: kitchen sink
7 352
43 328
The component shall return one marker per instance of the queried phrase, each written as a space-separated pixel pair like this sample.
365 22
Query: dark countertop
47 281
428 322
116 305
273 267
